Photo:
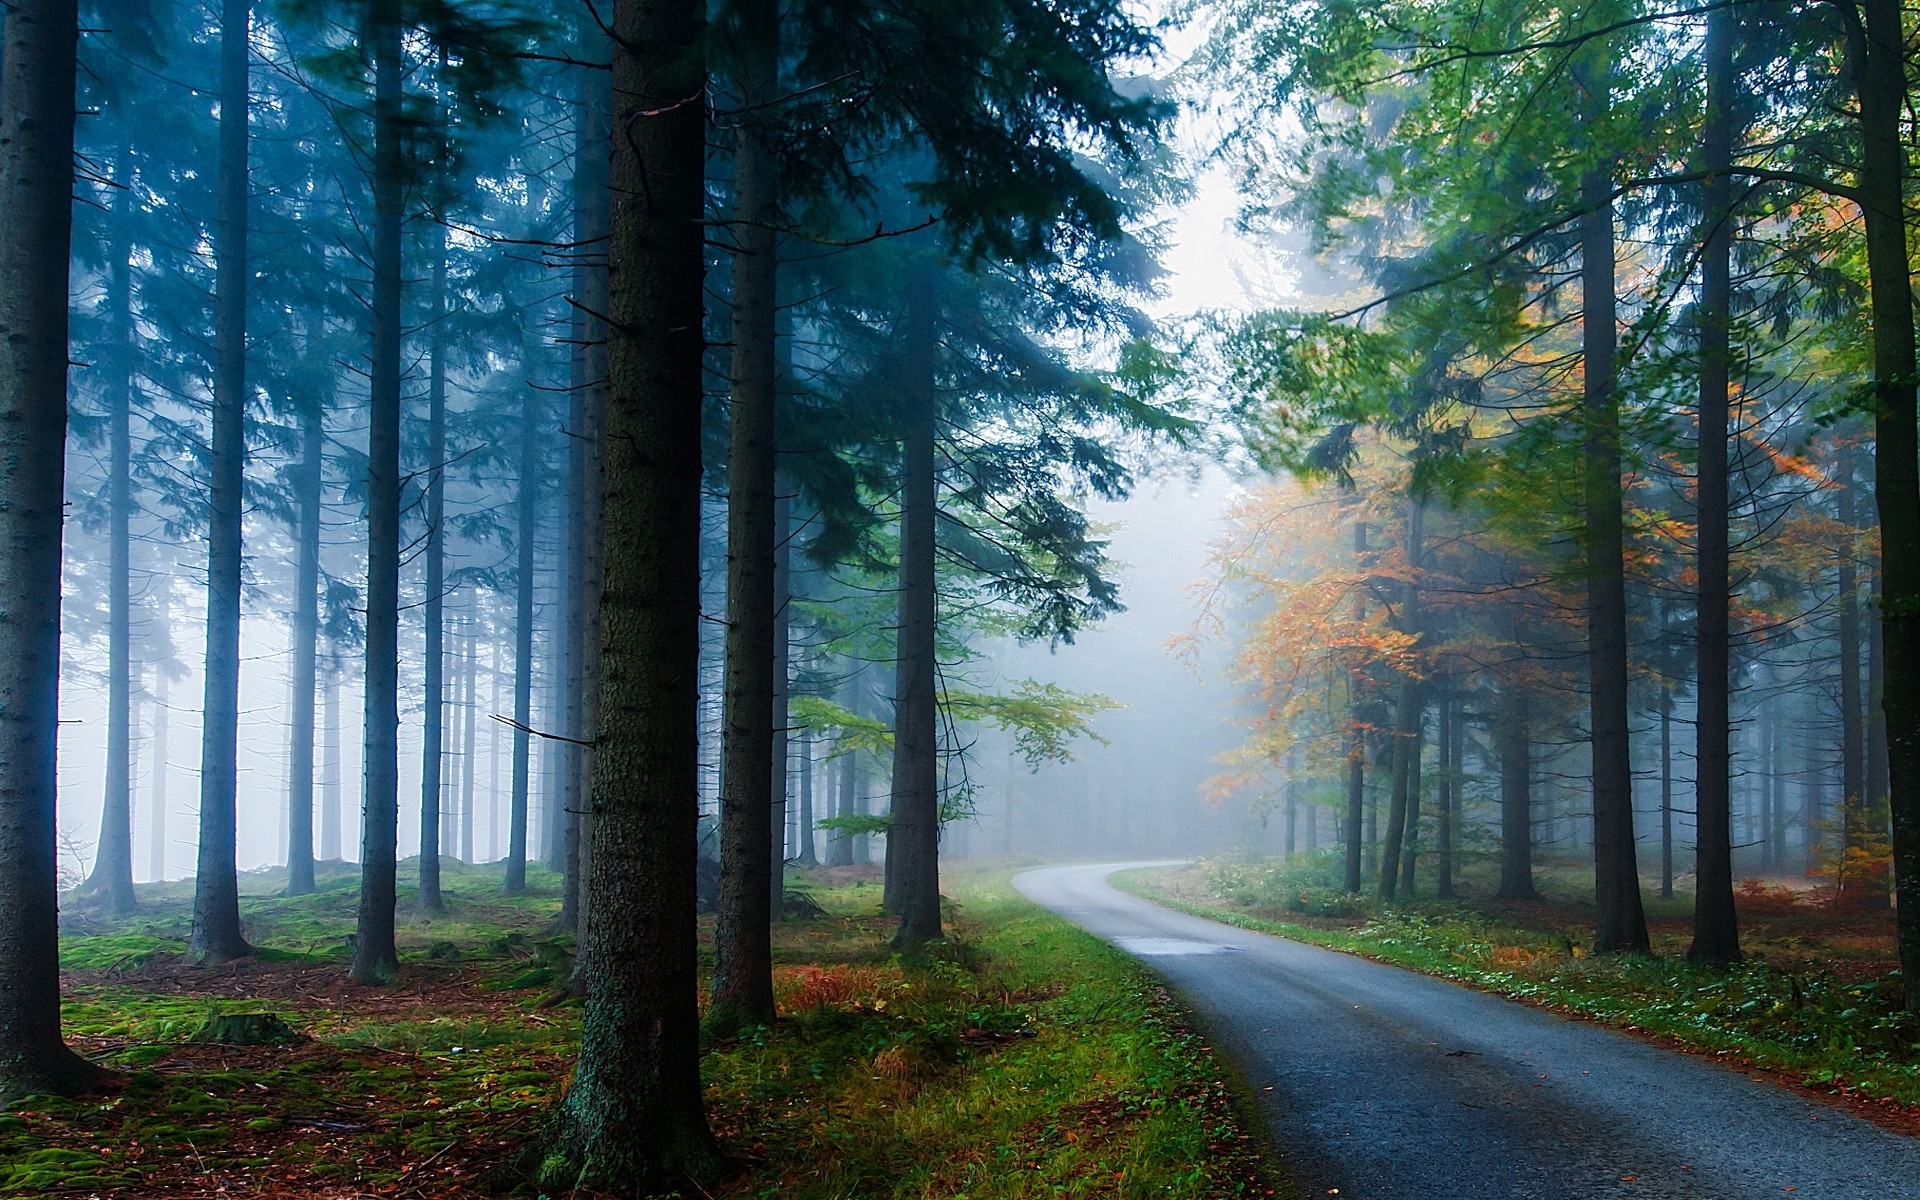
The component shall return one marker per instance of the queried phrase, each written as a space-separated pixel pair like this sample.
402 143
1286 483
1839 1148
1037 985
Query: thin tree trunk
1356 803
913 841
113 864
1716 929
1449 768
434 699
632 1120
375 958
1516 796
1403 820
306 645
1666 795
749 883
36 188
331 769
804 819
1853 761
470 758
1620 922
216 935
157 790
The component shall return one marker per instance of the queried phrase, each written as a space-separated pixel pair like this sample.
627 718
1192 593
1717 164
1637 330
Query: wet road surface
1385 1084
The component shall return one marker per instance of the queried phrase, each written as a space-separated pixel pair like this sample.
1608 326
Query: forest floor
1816 1005
1020 1058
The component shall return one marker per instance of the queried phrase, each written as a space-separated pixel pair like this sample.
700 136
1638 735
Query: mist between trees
657 448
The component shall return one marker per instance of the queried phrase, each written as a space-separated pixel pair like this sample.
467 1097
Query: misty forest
959 598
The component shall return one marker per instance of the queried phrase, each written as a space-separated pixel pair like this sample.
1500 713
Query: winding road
1376 1083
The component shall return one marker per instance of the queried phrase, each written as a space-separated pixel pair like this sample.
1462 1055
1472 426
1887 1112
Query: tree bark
1356 803
375 958
36 186
157 792
332 835
914 838
306 645
113 862
632 1120
527 530
1880 56
216 935
1620 922
749 885
779 781
1716 929
590 406
1853 760
1666 794
803 839
1449 774
434 665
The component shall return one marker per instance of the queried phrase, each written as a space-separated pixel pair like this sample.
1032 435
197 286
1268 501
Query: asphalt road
1386 1084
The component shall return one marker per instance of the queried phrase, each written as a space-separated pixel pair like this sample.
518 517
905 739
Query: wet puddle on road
1164 946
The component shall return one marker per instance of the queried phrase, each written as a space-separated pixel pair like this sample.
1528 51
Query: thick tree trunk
1716 930
1620 922
1409 709
779 782
913 842
36 188
1516 796
434 665
306 644
113 863
1880 55
216 935
590 406
375 959
526 531
749 887
632 1120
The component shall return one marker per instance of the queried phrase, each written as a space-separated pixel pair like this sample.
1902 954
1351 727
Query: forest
556 563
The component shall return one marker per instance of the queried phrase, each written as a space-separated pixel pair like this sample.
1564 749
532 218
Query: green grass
1020 1058
1793 1008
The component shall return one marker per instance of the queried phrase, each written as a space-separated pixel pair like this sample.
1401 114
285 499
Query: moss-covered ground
1021 1058
1817 1003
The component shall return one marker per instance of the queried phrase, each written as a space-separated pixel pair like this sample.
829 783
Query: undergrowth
1020 1058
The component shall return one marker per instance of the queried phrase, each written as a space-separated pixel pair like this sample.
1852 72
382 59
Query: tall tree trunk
434 666
306 645
779 782
1853 760
36 187
913 841
1666 794
588 406
216 935
1880 57
113 864
332 818
1410 707
803 839
632 1121
749 888
1716 929
157 789
469 758
1356 802
527 530
1516 796
375 958
1620 921
1449 771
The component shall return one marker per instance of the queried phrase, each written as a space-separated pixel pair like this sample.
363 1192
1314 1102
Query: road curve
1385 1084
